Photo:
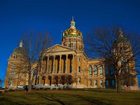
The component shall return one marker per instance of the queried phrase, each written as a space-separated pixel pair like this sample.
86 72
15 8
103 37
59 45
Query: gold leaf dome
72 31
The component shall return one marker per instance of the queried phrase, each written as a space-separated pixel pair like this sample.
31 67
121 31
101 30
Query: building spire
72 23
120 32
72 18
21 44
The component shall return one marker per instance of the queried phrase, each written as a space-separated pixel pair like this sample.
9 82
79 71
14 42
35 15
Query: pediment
58 48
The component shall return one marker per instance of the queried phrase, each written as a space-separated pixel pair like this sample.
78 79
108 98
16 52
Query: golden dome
72 31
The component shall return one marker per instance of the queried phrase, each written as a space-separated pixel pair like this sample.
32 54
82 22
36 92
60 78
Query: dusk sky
53 16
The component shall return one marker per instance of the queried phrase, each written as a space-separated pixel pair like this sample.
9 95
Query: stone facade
16 73
122 49
66 63
62 65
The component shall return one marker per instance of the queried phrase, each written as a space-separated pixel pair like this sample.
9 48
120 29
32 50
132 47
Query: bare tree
56 80
0 83
69 79
62 79
118 49
35 46
16 71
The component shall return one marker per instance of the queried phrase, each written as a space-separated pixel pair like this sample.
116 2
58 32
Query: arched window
10 82
101 83
111 70
79 59
90 82
106 71
79 69
79 80
69 45
12 73
74 45
107 84
127 68
90 70
95 83
95 70
14 56
113 82
101 70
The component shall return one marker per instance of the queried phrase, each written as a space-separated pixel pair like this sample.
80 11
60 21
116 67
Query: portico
56 65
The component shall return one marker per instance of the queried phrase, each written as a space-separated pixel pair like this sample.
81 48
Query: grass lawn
70 97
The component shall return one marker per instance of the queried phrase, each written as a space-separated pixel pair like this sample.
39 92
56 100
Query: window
79 80
69 45
79 59
101 83
127 68
74 46
90 70
90 82
71 68
10 82
111 70
14 56
101 70
79 69
106 71
107 84
113 82
12 74
95 70
95 83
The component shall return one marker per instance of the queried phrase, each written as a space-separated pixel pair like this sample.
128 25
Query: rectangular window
101 70
95 70
101 83
69 45
70 69
79 69
74 45
107 84
95 83
113 83
106 71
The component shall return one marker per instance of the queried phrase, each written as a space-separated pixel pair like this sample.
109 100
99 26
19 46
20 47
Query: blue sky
53 16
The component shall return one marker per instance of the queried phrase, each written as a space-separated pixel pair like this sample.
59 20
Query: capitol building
66 63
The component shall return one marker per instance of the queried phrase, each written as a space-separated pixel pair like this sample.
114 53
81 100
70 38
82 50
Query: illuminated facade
16 73
67 64
122 50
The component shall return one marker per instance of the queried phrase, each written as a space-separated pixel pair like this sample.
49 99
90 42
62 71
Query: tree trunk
118 84
29 79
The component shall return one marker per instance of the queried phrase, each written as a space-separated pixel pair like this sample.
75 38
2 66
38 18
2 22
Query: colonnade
59 64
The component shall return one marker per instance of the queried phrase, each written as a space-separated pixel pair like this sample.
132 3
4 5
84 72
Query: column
98 70
73 67
51 64
60 64
66 63
77 65
57 64
48 64
54 64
